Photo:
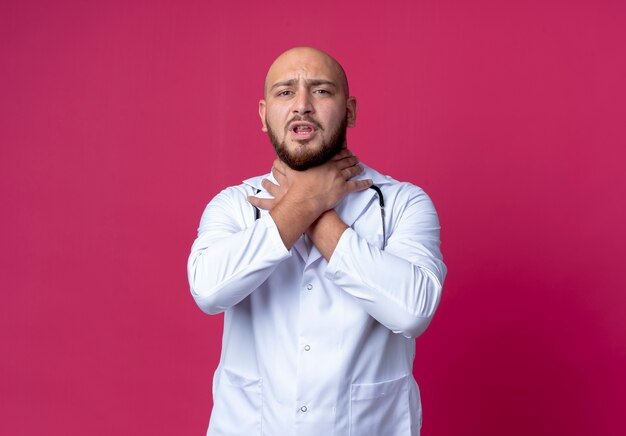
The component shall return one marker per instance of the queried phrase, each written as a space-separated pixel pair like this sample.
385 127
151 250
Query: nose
303 104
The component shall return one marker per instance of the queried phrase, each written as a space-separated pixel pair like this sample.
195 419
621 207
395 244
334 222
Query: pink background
120 120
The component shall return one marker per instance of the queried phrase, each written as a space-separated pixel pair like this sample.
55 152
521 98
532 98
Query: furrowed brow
284 83
309 82
318 82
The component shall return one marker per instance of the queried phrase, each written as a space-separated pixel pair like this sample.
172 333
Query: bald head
308 62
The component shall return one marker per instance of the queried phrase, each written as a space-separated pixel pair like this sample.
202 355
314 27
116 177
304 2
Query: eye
285 93
321 91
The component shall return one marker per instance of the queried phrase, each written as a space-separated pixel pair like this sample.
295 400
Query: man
324 282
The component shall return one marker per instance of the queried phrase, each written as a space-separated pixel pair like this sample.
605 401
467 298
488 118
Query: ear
351 110
262 115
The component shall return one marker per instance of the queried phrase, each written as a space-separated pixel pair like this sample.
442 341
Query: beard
304 159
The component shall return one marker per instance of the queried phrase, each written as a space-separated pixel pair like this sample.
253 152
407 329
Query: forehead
304 64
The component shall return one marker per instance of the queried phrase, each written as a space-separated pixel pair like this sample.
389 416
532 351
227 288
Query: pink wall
120 120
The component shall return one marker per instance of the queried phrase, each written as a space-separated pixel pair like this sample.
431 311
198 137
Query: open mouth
302 130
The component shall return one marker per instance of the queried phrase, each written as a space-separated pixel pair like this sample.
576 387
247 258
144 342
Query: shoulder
238 193
231 204
406 204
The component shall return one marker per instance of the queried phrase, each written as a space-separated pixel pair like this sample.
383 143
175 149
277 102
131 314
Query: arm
229 260
400 286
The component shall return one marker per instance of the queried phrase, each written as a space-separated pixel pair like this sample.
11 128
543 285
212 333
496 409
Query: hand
302 196
277 191
324 186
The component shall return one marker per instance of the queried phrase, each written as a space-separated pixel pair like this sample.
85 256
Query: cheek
335 117
334 112
277 117
270 120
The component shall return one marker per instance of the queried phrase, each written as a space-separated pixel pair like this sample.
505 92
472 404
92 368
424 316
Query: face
306 109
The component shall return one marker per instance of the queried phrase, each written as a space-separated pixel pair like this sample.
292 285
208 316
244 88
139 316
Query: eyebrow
309 82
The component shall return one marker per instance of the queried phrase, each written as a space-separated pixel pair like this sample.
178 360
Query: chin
303 148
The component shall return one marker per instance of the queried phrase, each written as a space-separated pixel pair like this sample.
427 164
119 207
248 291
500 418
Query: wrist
328 222
326 231
304 204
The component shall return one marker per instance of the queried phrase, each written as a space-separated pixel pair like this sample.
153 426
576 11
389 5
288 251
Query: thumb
359 185
261 203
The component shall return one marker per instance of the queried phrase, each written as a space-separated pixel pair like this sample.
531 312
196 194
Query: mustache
306 118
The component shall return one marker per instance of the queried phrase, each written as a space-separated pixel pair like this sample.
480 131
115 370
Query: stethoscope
381 202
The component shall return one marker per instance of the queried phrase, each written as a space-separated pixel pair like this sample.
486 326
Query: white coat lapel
301 248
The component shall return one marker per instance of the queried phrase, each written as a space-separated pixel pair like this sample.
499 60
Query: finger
270 187
280 177
358 185
352 171
279 167
347 162
282 180
261 203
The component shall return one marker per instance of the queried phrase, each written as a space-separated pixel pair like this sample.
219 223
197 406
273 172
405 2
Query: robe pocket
380 408
238 405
